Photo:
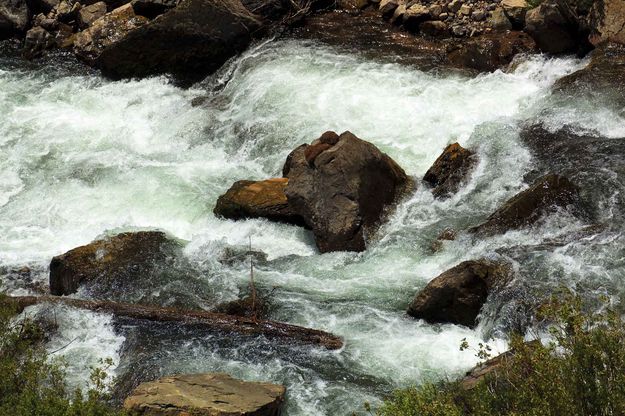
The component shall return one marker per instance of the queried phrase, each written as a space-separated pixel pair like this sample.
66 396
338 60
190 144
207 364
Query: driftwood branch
210 320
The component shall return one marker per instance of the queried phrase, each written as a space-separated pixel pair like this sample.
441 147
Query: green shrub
32 384
581 372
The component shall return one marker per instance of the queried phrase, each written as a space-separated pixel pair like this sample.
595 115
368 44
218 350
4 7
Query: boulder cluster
186 38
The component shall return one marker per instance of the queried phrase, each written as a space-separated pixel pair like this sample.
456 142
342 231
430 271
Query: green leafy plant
33 384
580 371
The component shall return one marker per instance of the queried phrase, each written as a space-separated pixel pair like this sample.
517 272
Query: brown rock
414 16
491 51
606 22
450 170
88 14
434 28
205 394
123 256
37 40
554 26
387 7
315 150
352 4
329 137
257 199
190 41
342 196
480 372
499 21
457 295
14 18
545 195
105 31
515 10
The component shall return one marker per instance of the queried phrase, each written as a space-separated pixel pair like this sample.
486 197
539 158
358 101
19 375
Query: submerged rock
450 170
457 295
546 194
247 307
190 41
257 199
342 191
124 256
206 394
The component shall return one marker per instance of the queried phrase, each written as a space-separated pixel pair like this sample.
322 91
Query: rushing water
81 156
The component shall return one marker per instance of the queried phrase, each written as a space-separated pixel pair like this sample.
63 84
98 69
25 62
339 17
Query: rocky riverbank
192 38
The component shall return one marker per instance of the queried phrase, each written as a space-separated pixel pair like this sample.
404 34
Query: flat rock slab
206 394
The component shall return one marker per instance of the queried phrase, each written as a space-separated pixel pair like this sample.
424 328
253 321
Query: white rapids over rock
81 156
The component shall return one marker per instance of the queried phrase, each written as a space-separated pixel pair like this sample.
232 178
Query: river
81 156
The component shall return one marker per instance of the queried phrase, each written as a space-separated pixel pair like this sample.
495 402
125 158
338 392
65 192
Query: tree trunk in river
211 320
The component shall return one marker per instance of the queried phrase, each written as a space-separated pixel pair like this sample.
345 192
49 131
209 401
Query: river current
82 157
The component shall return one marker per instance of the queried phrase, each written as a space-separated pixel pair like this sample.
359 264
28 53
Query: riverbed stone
450 170
116 258
257 199
36 41
546 194
343 194
211 394
457 295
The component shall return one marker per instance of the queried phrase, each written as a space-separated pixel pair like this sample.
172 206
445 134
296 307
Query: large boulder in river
106 31
257 199
457 295
546 194
555 27
14 18
205 394
607 22
450 170
190 41
340 186
120 257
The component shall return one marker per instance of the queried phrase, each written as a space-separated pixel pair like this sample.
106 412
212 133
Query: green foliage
32 384
580 372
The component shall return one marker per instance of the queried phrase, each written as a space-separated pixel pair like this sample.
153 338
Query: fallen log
210 320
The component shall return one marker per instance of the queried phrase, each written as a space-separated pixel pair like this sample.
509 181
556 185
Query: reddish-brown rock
450 170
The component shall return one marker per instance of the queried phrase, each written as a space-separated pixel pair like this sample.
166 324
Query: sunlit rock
450 170
457 295
206 394
257 199
105 31
341 190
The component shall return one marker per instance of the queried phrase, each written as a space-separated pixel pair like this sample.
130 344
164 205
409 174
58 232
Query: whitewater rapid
82 156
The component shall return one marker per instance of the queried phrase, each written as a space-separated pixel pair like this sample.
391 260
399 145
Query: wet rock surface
450 170
343 191
457 295
14 18
210 394
546 194
124 256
